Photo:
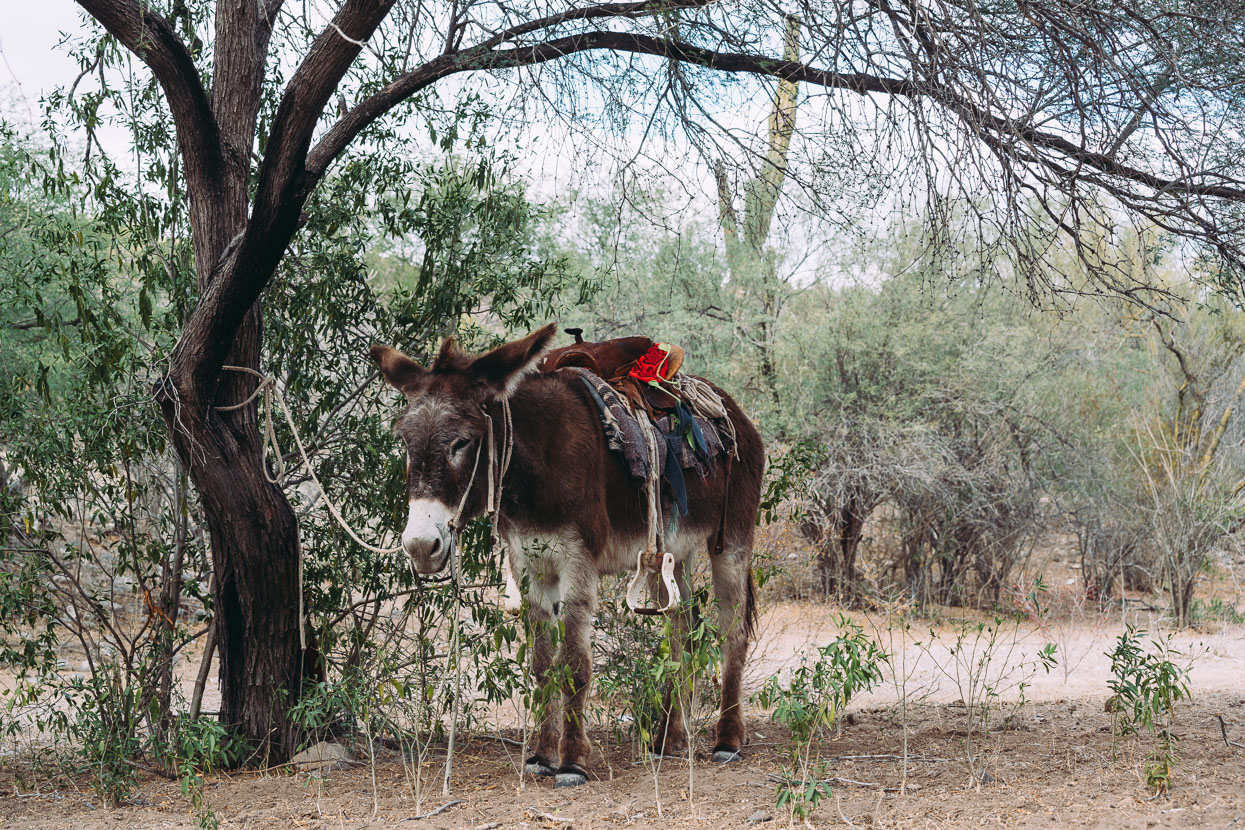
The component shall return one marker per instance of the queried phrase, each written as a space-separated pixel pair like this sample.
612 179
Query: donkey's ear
401 371
502 368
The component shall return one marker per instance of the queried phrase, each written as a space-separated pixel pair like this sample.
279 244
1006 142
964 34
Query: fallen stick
435 812
912 758
502 739
534 813
1223 727
850 782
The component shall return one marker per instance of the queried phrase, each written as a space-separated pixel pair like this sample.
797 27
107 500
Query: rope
496 472
656 534
706 402
268 387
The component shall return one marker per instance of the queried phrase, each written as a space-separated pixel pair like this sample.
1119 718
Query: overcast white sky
31 65
29 33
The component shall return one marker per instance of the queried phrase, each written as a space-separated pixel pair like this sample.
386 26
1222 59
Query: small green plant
636 696
1214 610
198 747
810 703
788 478
987 665
112 741
1146 687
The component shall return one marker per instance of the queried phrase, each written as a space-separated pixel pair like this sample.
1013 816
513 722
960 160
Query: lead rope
496 472
268 388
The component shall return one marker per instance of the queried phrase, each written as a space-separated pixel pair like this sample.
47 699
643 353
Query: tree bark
255 590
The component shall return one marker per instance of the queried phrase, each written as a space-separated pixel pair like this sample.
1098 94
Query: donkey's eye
458 446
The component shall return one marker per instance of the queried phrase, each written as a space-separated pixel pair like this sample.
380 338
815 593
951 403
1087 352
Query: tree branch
246 268
981 122
292 168
154 41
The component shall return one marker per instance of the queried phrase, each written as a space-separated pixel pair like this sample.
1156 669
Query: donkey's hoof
570 775
538 766
726 756
656 755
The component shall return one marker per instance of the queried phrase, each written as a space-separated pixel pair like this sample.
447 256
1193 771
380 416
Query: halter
497 468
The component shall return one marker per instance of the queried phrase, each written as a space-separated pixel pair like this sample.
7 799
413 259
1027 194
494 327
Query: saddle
635 366
643 372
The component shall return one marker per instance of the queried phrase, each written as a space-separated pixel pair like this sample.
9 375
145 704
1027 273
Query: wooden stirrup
647 562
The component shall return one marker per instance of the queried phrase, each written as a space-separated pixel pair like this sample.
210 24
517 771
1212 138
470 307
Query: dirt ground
1054 766
1054 769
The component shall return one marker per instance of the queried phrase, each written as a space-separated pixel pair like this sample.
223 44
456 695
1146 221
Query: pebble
759 817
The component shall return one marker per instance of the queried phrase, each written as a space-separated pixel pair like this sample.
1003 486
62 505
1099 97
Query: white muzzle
427 538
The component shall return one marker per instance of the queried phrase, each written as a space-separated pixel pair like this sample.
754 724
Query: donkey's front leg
541 628
579 602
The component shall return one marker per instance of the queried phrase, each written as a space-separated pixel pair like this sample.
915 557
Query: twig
492 825
839 808
917 758
1223 727
205 668
849 782
534 813
165 774
502 739
435 812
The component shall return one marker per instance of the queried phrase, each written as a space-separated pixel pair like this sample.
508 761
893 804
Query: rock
569 779
323 757
759 817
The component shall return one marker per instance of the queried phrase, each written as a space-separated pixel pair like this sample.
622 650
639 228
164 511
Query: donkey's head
444 429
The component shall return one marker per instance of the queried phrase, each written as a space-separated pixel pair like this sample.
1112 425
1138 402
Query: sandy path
787 631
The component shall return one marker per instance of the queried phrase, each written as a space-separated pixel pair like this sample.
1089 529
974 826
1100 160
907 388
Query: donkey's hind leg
732 587
579 604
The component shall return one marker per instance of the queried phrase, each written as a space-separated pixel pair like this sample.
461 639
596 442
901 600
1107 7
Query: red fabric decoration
652 365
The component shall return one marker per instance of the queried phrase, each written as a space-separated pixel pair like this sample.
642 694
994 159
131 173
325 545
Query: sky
31 62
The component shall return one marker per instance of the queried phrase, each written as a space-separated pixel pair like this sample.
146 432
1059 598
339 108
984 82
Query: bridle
497 468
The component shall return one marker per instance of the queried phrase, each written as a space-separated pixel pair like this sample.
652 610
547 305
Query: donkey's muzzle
427 538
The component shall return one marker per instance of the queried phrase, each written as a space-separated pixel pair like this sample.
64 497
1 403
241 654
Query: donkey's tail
750 607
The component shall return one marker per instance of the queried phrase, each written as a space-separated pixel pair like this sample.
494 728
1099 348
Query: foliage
987 662
1146 687
635 693
811 701
105 560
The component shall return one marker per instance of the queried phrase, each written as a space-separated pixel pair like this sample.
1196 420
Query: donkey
569 513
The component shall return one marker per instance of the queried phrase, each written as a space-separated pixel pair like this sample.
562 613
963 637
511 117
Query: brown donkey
569 513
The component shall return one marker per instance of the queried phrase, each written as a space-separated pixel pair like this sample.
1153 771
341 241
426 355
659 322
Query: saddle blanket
625 436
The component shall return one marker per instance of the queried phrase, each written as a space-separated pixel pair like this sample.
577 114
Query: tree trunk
255 557
851 531
255 587
827 571
251 527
